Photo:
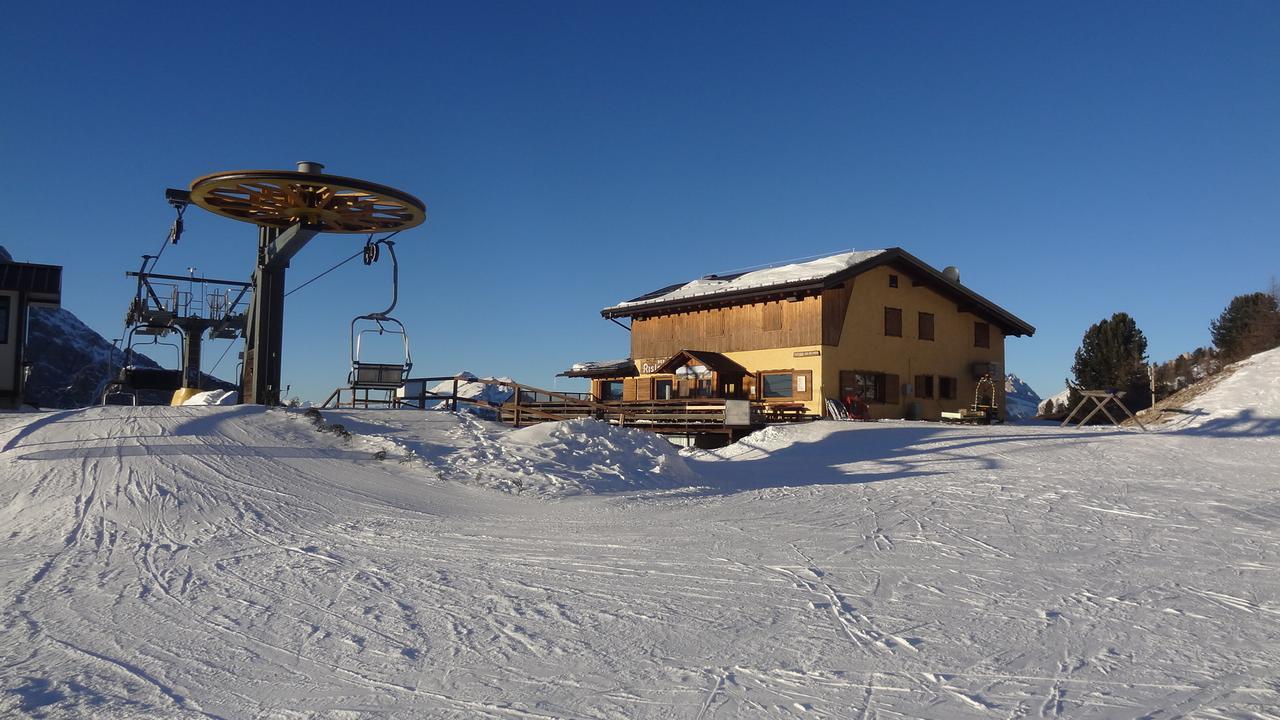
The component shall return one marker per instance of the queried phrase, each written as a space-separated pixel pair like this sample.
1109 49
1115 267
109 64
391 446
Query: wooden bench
785 412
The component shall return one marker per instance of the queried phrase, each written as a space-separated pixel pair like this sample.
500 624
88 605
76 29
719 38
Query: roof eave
617 311
1009 323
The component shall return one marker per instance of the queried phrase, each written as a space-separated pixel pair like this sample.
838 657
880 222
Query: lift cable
362 251
326 272
170 238
224 354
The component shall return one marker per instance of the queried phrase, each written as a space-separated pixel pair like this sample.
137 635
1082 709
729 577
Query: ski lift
123 390
367 375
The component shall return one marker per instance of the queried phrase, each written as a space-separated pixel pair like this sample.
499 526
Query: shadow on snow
866 455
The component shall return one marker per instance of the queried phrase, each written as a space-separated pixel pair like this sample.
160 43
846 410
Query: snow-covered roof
808 275
711 285
598 368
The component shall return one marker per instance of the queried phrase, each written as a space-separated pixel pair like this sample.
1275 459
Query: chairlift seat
140 378
378 376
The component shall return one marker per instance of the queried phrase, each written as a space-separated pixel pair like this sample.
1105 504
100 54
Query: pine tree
1113 356
1249 324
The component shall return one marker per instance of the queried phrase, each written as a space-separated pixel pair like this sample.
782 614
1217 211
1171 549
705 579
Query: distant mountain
1059 403
71 362
1020 400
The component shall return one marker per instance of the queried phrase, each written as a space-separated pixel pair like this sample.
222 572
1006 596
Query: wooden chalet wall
757 326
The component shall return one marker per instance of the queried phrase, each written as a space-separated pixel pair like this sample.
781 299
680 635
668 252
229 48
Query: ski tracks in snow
233 562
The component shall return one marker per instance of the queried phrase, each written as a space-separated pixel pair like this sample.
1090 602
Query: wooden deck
530 405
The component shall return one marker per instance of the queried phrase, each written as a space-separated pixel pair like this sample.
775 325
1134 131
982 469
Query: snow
1248 394
598 365
767 277
494 391
214 397
1059 400
234 562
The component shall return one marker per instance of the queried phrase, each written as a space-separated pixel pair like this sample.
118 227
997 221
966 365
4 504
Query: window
893 281
947 388
662 389
786 385
981 335
924 386
926 326
771 316
893 322
870 384
4 319
776 385
610 390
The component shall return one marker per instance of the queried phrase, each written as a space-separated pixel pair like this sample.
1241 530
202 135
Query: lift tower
291 207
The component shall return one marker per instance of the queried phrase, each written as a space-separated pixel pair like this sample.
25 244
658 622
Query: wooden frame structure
1101 398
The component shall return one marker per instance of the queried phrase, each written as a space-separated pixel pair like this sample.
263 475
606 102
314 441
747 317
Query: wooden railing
530 405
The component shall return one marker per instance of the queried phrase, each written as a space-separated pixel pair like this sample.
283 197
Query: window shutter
893 322
891 389
926 326
981 335
629 389
921 387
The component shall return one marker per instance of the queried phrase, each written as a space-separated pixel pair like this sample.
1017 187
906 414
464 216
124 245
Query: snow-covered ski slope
233 562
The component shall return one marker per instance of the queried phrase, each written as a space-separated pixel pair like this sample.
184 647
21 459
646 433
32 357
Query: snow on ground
233 562
1248 392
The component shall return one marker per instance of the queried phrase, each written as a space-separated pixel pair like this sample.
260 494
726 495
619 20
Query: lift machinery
289 208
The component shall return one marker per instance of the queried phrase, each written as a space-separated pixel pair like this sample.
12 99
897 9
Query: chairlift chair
388 376
123 389
367 375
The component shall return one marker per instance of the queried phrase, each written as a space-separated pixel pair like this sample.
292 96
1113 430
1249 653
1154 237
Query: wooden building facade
911 339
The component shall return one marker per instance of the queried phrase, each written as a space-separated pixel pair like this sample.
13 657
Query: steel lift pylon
291 207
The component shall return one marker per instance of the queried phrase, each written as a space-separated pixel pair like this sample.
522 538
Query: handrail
534 404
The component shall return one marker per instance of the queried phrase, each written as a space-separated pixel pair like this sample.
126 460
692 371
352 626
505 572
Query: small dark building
21 286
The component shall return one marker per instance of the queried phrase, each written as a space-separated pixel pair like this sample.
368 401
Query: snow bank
214 397
590 456
1247 395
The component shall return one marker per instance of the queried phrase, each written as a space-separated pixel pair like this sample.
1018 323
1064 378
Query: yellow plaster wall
864 346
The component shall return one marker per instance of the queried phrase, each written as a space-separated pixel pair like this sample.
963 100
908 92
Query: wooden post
454 400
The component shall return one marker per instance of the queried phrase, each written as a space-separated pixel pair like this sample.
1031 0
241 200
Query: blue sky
1074 160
